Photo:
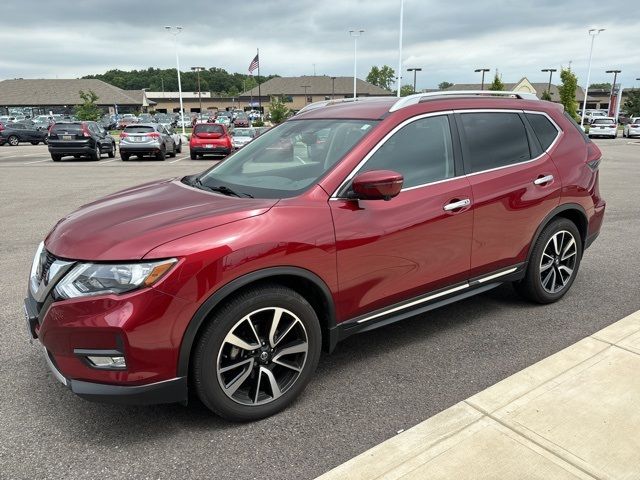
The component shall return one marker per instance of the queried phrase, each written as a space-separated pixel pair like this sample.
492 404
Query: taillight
634 126
612 126
154 135
85 130
594 156
123 135
2 127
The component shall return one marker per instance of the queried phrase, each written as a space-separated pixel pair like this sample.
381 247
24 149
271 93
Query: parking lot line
32 155
37 161
102 162
178 159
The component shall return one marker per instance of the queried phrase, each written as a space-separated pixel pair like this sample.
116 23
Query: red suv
347 217
209 139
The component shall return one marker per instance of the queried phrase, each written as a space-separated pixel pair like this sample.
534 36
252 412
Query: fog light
107 362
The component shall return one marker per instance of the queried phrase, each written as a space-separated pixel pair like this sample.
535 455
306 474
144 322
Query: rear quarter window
543 128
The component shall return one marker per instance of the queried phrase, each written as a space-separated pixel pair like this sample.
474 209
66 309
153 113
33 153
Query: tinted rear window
603 121
208 129
67 127
139 129
545 131
494 140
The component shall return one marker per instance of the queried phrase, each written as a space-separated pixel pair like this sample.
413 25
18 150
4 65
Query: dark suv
15 133
80 139
347 217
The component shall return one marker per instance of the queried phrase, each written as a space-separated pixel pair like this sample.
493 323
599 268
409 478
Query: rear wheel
13 141
112 151
257 354
554 263
193 156
124 156
174 151
179 148
56 158
161 155
95 155
34 143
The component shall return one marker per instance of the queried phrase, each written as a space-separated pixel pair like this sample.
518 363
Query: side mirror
377 185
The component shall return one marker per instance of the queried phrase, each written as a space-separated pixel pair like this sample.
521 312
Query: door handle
543 180
456 205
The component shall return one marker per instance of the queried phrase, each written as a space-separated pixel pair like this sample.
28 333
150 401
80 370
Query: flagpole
259 94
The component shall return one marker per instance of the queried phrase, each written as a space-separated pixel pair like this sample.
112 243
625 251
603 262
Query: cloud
448 40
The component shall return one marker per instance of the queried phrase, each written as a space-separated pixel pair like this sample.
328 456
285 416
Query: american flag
255 63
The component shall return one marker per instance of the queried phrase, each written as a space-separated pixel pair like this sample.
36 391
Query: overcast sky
68 39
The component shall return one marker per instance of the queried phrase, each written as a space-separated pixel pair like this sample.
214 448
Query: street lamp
333 87
613 88
550 70
175 31
400 50
593 32
483 70
198 70
355 34
306 100
414 70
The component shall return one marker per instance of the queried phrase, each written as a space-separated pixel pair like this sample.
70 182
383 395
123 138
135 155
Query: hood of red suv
128 224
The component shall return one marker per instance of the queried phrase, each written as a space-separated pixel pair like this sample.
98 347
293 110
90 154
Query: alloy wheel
262 356
558 261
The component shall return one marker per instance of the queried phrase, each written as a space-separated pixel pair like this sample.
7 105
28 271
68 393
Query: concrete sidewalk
575 414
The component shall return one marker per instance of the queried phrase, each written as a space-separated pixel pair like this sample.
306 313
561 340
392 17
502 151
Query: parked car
242 136
261 130
632 129
591 115
108 122
603 127
177 137
241 120
147 139
123 122
223 118
16 133
227 284
80 139
210 139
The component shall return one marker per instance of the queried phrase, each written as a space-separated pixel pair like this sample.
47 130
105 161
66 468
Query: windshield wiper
221 189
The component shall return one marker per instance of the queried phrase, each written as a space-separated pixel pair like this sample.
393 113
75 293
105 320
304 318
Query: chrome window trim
378 145
335 196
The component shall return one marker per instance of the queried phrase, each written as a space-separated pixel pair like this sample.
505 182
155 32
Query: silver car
632 129
147 139
241 136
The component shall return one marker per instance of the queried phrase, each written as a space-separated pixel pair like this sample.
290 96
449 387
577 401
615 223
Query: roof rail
326 103
416 98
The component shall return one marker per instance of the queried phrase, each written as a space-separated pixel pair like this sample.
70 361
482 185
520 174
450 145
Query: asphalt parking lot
371 387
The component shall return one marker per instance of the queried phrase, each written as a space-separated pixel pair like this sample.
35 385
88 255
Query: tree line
215 80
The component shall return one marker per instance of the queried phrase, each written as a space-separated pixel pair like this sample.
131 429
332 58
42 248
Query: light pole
333 87
550 70
593 32
306 100
483 70
613 89
198 70
414 70
175 31
400 49
355 34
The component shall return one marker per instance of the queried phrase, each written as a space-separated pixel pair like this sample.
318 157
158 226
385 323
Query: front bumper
167 391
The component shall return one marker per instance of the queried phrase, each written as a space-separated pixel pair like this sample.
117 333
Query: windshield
286 160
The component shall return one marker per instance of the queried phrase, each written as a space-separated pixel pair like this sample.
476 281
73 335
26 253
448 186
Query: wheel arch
570 211
303 281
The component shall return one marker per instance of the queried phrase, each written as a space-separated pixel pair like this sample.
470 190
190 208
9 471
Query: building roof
173 95
44 92
316 85
539 89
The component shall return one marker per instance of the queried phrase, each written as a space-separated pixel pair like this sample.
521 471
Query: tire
179 148
257 369
13 141
550 274
45 141
174 151
193 156
95 156
56 158
112 152
124 156
34 143
161 155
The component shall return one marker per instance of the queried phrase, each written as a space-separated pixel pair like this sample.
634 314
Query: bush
257 123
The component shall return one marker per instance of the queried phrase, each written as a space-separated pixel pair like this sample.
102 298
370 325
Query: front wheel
257 353
13 141
554 263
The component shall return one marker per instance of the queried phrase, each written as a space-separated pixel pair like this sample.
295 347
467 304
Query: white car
603 127
632 128
241 136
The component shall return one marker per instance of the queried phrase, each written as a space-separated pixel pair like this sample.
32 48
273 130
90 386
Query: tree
496 85
567 91
88 110
278 110
546 95
601 86
632 105
406 90
444 85
383 77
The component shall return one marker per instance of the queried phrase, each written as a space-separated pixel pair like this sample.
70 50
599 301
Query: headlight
87 279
